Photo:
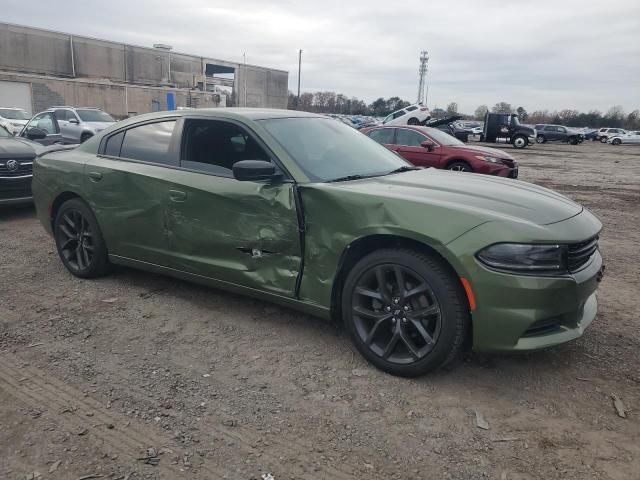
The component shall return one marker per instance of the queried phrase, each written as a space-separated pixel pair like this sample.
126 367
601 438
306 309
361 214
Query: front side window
399 114
326 150
45 122
382 135
149 143
214 146
409 138
62 115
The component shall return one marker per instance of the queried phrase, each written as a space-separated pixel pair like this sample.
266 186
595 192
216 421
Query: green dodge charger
302 210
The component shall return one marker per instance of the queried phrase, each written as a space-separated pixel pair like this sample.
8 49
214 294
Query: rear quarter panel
54 174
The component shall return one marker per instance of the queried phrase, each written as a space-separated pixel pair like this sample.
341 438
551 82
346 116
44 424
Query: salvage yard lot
95 373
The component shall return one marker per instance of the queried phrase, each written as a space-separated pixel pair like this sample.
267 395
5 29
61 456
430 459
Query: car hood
19 148
98 126
473 149
491 198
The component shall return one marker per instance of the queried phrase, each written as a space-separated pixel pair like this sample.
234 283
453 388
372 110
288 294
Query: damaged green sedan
304 211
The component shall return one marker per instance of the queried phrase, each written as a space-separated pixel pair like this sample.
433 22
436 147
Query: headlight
520 257
485 158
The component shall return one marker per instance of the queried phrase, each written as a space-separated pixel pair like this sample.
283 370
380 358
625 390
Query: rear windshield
14 114
94 116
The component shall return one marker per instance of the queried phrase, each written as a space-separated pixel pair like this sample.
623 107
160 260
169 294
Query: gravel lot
93 374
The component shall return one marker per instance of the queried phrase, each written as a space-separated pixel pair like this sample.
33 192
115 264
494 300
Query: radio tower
422 72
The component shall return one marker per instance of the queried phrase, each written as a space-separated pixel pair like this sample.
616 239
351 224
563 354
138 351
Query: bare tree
480 112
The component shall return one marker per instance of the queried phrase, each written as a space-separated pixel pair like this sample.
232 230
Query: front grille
24 168
578 254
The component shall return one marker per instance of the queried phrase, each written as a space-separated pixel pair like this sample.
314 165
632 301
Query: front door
409 146
245 233
127 187
46 122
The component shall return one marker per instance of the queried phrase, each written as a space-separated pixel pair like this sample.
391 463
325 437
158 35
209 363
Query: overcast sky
540 55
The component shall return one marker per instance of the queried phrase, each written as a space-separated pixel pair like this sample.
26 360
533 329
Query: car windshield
14 114
443 138
94 116
4 133
326 150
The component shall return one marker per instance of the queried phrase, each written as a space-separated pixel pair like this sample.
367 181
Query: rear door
384 136
245 233
408 142
129 186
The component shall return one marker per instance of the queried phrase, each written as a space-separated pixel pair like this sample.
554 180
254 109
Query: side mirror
36 134
73 120
254 170
428 144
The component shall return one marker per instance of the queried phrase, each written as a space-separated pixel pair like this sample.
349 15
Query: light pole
299 69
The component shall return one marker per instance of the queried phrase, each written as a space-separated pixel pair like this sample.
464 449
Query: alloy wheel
75 240
396 314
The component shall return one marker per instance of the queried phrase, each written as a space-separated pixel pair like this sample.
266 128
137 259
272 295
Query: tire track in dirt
40 391
68 407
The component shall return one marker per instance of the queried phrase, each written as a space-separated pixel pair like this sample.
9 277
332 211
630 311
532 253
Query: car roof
13 108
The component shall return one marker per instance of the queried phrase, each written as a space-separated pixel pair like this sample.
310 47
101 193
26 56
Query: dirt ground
93 374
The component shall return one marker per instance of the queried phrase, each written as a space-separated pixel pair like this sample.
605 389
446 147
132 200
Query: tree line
331 102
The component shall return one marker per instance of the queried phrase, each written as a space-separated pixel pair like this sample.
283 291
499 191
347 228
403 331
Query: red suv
429 147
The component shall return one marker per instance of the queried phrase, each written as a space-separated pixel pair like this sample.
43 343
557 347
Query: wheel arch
363 246
57 203
449 161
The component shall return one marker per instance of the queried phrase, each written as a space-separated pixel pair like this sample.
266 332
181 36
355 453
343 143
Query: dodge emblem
12 165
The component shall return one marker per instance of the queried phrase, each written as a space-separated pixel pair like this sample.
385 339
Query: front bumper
517 312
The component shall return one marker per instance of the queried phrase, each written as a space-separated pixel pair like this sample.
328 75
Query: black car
447 125
16 161
559 133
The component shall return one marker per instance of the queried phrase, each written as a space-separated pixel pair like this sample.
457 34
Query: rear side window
114 144
149 143
411 108
409 138
382 136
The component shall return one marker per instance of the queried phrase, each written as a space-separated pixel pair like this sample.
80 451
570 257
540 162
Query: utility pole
244 58
299 69
422 75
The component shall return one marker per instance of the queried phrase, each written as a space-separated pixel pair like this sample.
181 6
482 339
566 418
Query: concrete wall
42 52
119 100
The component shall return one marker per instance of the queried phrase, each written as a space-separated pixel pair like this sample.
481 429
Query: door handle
95 176
177 196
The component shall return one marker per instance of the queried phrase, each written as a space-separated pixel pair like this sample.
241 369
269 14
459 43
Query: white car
13 118
627 138
415 114
605 133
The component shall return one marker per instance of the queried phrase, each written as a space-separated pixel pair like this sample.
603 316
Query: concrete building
41 68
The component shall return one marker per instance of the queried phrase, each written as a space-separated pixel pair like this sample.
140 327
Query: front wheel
84 137
540 139
520 141
405 311
459 166
573 141
603 140
616 141
79 240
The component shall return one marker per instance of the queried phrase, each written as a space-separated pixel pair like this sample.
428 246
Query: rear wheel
520 141
603 139
616 141
405 311
413 121
459 166
79 240
540 139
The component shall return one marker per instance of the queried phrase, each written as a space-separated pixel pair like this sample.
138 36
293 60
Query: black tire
541 139
79 240
438 296
84 137
603 139
460 166
616 141
520 141
413 121
573 140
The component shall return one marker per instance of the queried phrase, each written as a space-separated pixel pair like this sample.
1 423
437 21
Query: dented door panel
240 232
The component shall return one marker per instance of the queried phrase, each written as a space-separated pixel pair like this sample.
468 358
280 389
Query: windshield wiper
404 168
347 178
